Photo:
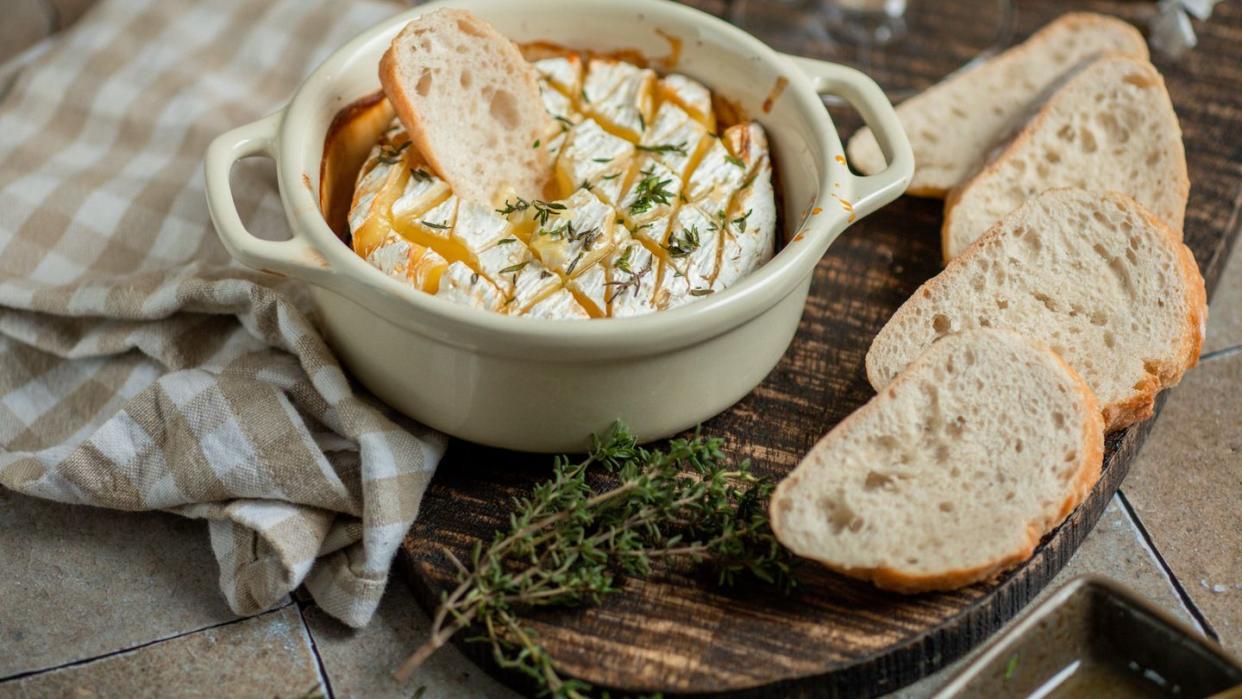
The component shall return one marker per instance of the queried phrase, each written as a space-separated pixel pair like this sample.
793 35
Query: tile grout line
1220 353
319 666
1187 601
1149 549
138 647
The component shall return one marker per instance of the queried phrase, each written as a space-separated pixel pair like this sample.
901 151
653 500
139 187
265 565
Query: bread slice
471 105
1098 278
1110 127
954 124
953 473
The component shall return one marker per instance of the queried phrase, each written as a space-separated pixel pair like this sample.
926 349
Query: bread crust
402 101
1167 373
1163 373
1034 42
1182 179
1091 458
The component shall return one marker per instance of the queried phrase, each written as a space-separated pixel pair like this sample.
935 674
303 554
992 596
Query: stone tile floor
101 603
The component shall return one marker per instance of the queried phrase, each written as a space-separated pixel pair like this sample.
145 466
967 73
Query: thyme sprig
650 190
627 278
568 544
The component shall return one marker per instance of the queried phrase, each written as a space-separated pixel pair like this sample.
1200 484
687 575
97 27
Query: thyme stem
568 542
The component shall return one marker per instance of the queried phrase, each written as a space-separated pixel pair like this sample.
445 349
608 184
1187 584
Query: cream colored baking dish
547 385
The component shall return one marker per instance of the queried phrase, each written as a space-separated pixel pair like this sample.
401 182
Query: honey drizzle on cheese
583 258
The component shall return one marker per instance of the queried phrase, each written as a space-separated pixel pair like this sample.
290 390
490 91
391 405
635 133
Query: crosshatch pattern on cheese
650 207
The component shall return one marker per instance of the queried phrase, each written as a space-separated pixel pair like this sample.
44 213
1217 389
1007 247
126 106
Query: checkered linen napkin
140 367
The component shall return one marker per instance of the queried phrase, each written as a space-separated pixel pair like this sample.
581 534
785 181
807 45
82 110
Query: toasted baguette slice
953 473
1098 278
470 103
1111 127
954 124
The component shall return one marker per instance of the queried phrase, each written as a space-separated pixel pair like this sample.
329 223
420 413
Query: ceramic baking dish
547 385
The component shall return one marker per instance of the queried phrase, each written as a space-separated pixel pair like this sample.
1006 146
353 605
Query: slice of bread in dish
955 124
1111 127
953 473
471 105
1097 278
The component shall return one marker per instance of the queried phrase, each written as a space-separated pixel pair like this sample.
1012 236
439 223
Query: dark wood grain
837 637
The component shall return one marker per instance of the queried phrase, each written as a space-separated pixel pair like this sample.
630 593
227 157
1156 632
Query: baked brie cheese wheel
650 208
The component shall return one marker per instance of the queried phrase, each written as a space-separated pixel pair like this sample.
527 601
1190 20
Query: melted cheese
654 210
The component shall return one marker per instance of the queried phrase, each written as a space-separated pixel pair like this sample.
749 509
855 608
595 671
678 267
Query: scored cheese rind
693 250
577 236
653 192
530 284
637 168
691 95
591 289
461 284
564 72
619 96
594 157
560 304
632 275
719 175
750 229
674 137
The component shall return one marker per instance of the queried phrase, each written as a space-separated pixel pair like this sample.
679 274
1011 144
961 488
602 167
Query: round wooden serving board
678 633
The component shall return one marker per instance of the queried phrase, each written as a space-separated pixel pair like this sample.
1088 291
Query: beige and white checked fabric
140 368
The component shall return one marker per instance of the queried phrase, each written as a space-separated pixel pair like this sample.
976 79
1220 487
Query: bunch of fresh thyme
567 543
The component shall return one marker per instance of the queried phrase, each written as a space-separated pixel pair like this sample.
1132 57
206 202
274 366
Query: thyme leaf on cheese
543 209
623 262
519 204
734 160
420 174
622 511
390 155
650 190
684 245
679 148
628 279
569 271
741 221
701 292
438 226
514 268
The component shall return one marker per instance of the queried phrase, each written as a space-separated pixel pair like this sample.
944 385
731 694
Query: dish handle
868 99
294 257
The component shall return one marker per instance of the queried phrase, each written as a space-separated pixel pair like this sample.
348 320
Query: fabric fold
144 369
